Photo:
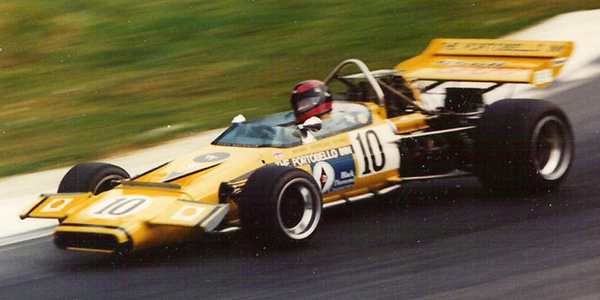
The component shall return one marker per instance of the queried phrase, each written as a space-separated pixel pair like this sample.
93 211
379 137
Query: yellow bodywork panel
409 123
56 206
533 62
189 213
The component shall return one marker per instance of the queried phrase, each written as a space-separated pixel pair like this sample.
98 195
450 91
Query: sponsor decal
212 157
500 46
56 205
333 169
316 157
336 174
461 70
350 119
454 62
362 119
324 174
188 213
277 154
199 162
120 207
355 119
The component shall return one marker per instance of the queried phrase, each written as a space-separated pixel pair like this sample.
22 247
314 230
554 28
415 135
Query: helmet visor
308 103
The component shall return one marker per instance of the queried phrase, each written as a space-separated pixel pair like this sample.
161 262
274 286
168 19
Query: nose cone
212 163
118 221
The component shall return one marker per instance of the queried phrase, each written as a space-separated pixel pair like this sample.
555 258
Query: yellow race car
349 137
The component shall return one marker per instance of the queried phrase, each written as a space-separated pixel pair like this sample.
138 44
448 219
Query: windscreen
280 130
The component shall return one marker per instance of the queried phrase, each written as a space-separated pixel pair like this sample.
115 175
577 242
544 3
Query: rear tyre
523 146
280 206
92 177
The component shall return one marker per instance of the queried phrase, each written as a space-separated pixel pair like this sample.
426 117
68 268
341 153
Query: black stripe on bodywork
188 174
217 208
149 171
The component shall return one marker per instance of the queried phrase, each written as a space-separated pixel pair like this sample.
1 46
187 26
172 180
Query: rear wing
479 60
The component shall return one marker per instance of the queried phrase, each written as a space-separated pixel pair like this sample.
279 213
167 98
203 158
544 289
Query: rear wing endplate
480 60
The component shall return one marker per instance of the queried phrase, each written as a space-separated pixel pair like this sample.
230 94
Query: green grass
86 79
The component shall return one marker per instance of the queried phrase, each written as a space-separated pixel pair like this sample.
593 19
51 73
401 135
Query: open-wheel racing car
271 177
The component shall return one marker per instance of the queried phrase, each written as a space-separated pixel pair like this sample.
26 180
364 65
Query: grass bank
85 79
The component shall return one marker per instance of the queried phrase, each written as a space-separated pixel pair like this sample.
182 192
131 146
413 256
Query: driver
310 98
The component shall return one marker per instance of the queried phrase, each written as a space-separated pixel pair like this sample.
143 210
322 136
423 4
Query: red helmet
310 98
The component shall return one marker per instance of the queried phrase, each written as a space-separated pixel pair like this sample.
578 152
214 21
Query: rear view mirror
312 124
238 119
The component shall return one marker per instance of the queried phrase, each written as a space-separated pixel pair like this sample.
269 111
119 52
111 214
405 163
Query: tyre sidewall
259 210
87 177
504 146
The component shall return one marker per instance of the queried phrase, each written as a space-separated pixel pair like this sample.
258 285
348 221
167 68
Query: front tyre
92 177
280 205
523 145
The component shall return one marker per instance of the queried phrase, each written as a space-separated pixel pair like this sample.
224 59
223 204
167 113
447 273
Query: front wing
181 212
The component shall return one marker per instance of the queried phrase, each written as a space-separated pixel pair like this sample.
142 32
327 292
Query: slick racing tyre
280 206
92 177
523 145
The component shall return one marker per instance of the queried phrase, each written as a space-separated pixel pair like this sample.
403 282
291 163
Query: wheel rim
298 209
552 146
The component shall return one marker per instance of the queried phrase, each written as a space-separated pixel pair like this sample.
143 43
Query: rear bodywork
502 61
379 135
